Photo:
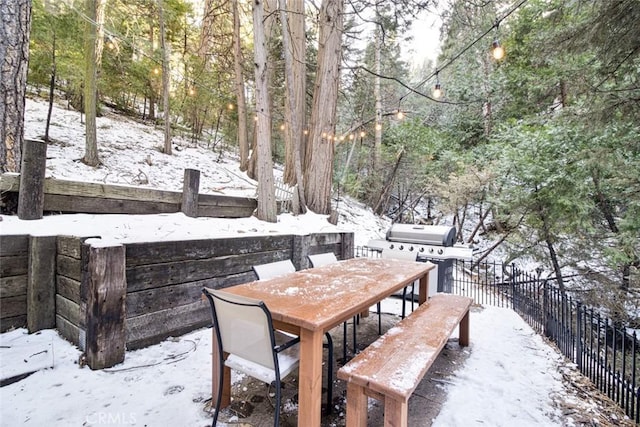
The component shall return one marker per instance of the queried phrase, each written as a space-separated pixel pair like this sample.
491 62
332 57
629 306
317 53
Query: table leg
310 381
424 288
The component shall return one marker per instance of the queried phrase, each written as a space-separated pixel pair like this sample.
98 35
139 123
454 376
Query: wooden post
41 283
347 246
190 192
32 170
300 251
106 294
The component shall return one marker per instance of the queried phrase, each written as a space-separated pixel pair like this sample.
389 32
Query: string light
437 89
497 50
362 134
400 115
378 126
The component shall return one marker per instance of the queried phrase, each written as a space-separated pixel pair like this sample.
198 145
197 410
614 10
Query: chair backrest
274 269
394 254
318 260
244 325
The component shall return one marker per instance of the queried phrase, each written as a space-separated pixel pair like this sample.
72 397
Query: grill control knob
411 248
421 249
391 246
430 250
401 247
440 251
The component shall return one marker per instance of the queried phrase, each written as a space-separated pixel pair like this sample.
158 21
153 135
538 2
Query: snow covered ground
512 377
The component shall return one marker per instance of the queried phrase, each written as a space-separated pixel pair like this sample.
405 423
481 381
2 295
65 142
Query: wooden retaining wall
86 197
14 264
153 288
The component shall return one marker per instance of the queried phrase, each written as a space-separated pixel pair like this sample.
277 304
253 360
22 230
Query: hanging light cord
449 62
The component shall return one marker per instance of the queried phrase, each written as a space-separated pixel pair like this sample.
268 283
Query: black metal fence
605 351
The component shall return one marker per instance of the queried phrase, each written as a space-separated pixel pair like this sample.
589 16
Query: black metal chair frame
276 350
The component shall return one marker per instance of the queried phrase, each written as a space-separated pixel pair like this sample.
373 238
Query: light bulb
498 50
400 115
437 91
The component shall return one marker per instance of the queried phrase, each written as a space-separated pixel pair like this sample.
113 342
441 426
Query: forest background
540 149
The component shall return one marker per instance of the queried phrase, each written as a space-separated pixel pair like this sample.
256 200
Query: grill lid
440 235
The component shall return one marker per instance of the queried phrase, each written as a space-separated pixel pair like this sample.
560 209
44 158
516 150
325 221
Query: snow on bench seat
391 367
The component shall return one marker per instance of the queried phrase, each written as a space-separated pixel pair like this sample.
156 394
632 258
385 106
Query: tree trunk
377 145
152 80
90 82
267 208
293 43
318 172
386 190
243 138
15 26
165 81
52 88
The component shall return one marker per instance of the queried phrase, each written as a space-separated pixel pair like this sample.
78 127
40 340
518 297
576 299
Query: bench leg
396 413
356 406
464 330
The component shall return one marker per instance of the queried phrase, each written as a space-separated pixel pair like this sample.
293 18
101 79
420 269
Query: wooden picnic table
313 301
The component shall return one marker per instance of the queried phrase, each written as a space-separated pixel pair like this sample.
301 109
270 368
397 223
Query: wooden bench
391 368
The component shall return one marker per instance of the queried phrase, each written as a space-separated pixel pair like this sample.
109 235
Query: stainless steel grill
422 243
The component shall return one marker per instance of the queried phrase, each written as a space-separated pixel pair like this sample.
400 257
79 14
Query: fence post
579 335
106 294
41 283
32 171
190 191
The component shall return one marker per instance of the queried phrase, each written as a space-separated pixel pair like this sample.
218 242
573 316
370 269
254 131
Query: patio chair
318 260
274 269
245 332
280 268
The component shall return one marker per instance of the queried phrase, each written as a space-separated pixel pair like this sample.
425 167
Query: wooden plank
158 299
69 267
154 327
14 244
13 306
106 295
68 288
159 275
41 286
13 286
226 211
69 331
69 310
170 251
324 239
69 246
76 204
10 182
15 265
218 200
9 323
